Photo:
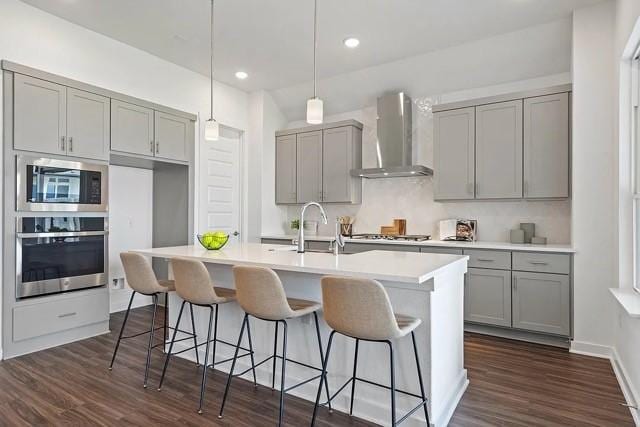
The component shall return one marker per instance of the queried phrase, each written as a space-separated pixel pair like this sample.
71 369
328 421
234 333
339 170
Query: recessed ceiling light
351 42
241 75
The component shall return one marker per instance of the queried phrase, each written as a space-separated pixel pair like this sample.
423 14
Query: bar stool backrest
193 283
260 293
359 308
139 274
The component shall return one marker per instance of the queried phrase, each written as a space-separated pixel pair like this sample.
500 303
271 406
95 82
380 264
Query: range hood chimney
394 145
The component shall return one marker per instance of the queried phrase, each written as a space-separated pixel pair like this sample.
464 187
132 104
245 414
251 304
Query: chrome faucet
301 225
339 240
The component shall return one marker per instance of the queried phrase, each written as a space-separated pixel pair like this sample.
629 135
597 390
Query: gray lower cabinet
309 166
286 169
88 125
132 128
541 302
454 154
436 250
487 297
39 115
546 146
499 150
171 136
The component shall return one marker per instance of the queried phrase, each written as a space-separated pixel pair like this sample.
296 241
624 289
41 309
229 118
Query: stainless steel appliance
465 230
405 237
52 185
394 146
59 254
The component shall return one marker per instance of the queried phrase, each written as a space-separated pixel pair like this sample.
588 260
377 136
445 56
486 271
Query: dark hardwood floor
512 384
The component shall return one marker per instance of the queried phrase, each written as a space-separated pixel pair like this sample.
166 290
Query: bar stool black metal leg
424 397
393 385
282 375
322 378
193 331
233 365
203 384
124 323
165 335
275 359
353 377
215 338
326 383
173 339
150 346
253 363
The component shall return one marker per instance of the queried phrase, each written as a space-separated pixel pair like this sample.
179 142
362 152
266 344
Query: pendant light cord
315 46
211 116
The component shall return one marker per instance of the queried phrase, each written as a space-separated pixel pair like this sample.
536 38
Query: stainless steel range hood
394 145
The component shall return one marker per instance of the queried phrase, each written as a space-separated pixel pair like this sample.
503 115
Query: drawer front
45 318
354 248
315 245
437 250
543 263
489 259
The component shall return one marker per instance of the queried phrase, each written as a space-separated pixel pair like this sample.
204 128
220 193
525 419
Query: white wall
412 198
130 225
592 221
32 37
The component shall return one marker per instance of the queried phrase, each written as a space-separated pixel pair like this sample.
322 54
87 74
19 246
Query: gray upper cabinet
341 152
454 154
499 150
286 169
309 166
39 115
487 297
541 302
131 128
546 146
171 136
88 126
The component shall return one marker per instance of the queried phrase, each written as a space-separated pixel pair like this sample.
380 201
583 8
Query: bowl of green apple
213 240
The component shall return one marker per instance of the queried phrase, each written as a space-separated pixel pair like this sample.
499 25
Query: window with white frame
635 135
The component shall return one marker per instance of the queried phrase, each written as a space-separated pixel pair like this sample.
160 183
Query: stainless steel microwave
53 185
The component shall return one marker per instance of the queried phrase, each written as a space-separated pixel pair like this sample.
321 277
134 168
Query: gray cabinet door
337 161
88 125
454 154
171 136
309 166
546 146
541 302
440 250
286 169
131 128
39 115
487 297
499 150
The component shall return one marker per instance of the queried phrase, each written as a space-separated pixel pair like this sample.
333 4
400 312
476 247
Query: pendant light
314 105
211 126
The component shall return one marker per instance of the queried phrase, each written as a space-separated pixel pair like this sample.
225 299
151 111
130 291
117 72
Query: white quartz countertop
404 267
502 246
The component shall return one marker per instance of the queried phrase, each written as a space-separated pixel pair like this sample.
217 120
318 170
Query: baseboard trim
590 349
631 395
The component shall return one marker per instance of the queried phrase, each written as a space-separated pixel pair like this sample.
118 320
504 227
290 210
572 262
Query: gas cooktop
406 237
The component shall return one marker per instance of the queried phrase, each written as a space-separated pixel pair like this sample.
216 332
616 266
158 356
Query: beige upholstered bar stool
260 294
360 309
193 284
142 279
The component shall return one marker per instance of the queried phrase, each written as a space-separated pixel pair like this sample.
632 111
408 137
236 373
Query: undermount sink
295 248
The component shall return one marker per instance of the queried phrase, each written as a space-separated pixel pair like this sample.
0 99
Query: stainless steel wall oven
53 185
59 254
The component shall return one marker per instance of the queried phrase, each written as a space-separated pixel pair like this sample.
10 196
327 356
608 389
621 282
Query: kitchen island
427 286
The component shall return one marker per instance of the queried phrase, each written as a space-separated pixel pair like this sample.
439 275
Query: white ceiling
272 39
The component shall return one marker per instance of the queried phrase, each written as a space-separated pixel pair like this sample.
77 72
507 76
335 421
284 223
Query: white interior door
220 184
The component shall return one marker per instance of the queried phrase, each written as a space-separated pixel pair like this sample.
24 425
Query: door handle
236 233
485 259
151 146
538 262
62 145
515 283
67 314
157 147
70 143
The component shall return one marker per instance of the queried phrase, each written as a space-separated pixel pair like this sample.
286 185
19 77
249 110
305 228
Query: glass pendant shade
314 111
211 130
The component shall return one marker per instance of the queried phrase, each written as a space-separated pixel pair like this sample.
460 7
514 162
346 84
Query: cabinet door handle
70 144
538 262
73 313
157 147
151 146
515 283
485 259
62 145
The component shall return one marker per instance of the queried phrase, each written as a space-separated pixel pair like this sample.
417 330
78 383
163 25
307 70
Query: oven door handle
62 234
